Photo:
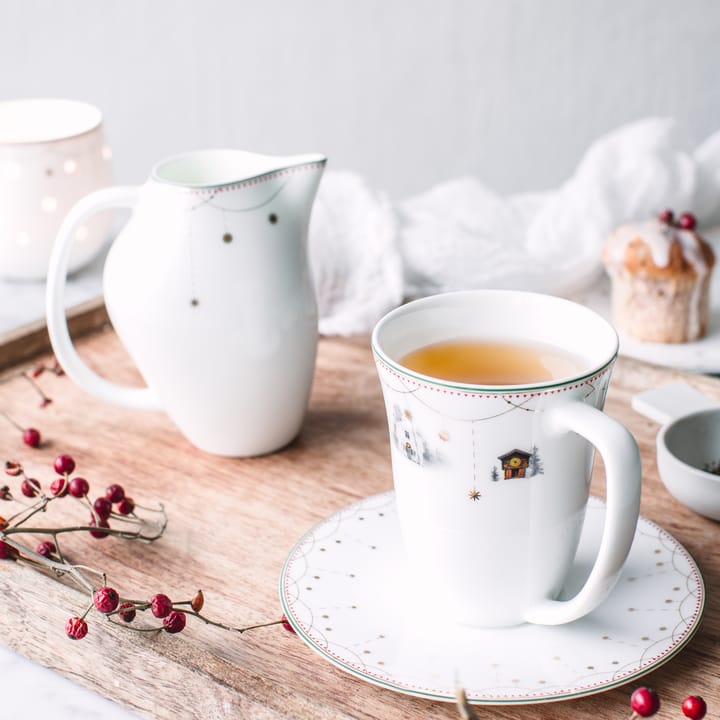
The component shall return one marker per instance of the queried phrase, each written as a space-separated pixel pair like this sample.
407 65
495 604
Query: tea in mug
489 362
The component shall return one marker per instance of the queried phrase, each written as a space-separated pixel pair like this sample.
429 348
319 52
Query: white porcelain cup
492 481
52 153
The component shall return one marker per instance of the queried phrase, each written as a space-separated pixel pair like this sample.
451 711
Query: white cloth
354 256
368 256
462 235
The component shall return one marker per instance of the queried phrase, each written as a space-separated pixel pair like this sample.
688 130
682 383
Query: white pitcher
209 289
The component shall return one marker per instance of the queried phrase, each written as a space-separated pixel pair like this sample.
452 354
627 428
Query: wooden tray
231 525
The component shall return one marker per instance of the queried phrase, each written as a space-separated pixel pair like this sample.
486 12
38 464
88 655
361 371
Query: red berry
106 599
687 221
645 702
115 493
694 707
161 605
46 548
59 487
31 437
127 611
75 628
29 487
64 464
78 487
174 622
7 552
666 216
103 507
102 523
286 624
126 506
13 468
198 601
38 370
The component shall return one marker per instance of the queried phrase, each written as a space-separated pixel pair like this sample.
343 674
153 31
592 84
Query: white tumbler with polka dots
52 153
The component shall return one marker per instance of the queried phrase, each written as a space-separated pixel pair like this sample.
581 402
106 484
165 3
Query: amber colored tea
488 362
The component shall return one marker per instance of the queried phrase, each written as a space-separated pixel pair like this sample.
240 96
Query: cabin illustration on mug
518 464
411 442
515 463
408 440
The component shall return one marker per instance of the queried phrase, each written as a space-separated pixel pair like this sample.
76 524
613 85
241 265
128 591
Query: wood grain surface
231 525
23 343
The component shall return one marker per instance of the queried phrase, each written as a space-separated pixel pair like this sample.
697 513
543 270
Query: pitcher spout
293 161
292 184
222 167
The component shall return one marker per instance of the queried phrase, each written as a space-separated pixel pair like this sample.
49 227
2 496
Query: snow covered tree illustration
535 465
409 440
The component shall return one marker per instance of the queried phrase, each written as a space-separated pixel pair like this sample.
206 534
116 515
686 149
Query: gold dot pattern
601 659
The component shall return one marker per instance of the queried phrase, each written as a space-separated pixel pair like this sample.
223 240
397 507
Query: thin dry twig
463 706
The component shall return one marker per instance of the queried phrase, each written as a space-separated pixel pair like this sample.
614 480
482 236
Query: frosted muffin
660 273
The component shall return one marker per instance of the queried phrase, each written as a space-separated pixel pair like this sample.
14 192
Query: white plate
343 590
700 356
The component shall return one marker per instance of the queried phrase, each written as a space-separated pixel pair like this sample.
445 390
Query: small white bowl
688 444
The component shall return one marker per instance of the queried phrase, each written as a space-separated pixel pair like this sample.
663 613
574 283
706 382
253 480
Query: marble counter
32 692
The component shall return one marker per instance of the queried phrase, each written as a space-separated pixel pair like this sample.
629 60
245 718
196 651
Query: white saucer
343 590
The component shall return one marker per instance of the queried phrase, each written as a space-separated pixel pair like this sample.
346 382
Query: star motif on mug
474 494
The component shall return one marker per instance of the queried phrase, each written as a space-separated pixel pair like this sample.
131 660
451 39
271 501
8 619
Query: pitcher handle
133 397
622 469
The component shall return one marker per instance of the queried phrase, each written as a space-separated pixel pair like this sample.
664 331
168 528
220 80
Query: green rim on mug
431 300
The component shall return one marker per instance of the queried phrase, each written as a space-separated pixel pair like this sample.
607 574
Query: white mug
492 481
52 153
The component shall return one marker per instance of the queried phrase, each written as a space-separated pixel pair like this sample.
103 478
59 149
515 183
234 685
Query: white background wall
405 92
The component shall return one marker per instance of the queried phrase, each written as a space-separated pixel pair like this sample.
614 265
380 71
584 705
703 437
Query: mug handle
621 457
133 397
